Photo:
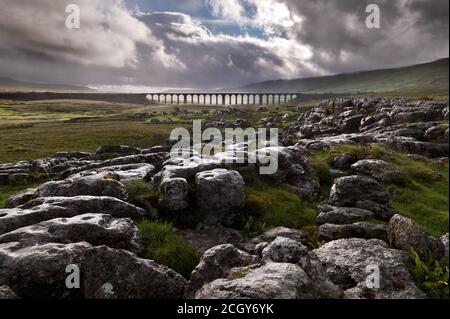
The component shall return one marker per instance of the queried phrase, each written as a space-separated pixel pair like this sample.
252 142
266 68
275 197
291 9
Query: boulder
174 194
271 281
39 272
351 124
96 229
350 262
329 232
107 273
437 134
344 161
21 198
127 277
381 212
273 233
405 234
123 173
380 170
220 193
285 250
42 209
89 185
216 263
421 148
342 215
346 191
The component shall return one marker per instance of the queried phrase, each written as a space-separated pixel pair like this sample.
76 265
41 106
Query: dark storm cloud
411 31
301 38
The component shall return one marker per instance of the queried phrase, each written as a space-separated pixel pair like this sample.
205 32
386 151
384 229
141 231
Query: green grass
44 139
165 246
422 196
430 276
139 191
7 191
271 206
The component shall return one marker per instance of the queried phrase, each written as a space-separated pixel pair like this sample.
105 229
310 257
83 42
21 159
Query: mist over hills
8 84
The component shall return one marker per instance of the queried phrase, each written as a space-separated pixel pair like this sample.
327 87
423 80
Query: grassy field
31 130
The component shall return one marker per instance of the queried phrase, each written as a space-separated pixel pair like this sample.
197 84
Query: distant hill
422 79
7 84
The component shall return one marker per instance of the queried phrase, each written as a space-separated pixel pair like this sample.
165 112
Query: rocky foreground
85 216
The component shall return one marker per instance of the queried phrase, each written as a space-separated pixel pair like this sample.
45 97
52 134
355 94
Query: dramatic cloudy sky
213 43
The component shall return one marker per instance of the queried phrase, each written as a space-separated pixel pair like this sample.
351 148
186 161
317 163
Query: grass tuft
430 276
165 246
272 206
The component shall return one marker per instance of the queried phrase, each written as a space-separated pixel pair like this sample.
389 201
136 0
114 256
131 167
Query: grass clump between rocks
165 246
270 206
6 191
140 191
430 276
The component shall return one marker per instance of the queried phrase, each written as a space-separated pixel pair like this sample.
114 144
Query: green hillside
427 79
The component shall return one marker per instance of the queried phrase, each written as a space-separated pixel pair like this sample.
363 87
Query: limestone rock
349 262
405 234
329 232
346 191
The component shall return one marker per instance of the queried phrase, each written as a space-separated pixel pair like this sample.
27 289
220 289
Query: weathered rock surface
216 263
273 233
221 193
128 276
47 208
346 191
40 270
349 262
285 250
342 215
21 198
380 170
381 212
405 234
174 194
329 232
90 185
123 173
96 229
107 273
271 281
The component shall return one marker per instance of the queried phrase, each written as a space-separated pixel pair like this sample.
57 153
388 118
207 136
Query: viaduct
222 98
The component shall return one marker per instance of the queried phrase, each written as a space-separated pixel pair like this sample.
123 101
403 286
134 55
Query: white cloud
107 37
271 16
